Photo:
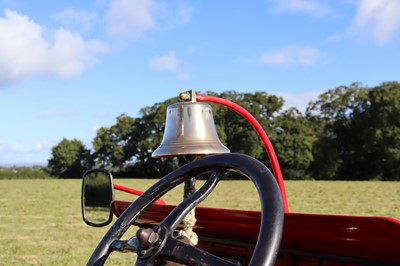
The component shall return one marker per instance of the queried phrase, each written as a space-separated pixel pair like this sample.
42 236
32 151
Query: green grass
41 224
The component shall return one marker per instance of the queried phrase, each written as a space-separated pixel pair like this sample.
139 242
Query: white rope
188 223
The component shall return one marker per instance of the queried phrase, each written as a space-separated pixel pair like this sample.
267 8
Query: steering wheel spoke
130 245
180 252
179 212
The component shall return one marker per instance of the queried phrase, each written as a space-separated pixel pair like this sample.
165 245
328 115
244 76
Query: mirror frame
110 178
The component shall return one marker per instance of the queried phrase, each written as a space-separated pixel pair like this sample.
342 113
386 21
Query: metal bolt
188 96
146 237
184 96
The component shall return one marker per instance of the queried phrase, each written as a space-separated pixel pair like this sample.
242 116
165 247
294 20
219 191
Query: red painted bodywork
308 239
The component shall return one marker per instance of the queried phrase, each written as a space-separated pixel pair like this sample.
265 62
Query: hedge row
34 172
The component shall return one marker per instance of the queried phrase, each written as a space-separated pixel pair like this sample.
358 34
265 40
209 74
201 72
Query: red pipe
261 133
136 192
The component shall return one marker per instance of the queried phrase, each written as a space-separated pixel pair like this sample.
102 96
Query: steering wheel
154 245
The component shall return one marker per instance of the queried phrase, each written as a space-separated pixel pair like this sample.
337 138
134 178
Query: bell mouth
189 130
178 150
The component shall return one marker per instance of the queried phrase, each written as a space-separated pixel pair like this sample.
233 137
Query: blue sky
70 67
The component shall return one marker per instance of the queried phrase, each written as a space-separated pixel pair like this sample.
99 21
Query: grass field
40 220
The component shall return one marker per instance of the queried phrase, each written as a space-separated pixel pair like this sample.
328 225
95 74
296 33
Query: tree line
349 133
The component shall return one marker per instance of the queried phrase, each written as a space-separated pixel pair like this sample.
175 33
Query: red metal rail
136 192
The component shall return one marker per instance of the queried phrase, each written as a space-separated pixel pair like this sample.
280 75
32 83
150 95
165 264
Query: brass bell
189 130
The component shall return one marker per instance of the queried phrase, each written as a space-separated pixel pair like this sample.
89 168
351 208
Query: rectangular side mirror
96 198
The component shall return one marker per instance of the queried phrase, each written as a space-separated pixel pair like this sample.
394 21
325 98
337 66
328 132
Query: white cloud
71 54
171 63
300 99
130 17
184 12
182 76
303 6
167 62
292 55
55 113
18 153
80 20
379 19
26 53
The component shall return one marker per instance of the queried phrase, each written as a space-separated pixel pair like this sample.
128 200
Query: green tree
360 138
333 114
376 153
114 146
326 160
293 144
128 144
69 159
237 133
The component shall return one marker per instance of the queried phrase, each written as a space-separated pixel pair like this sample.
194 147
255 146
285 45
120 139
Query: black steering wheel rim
270 233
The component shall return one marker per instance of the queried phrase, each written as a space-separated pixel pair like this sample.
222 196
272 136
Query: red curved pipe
264 138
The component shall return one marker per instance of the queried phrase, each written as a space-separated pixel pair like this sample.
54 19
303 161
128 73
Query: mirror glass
97 194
